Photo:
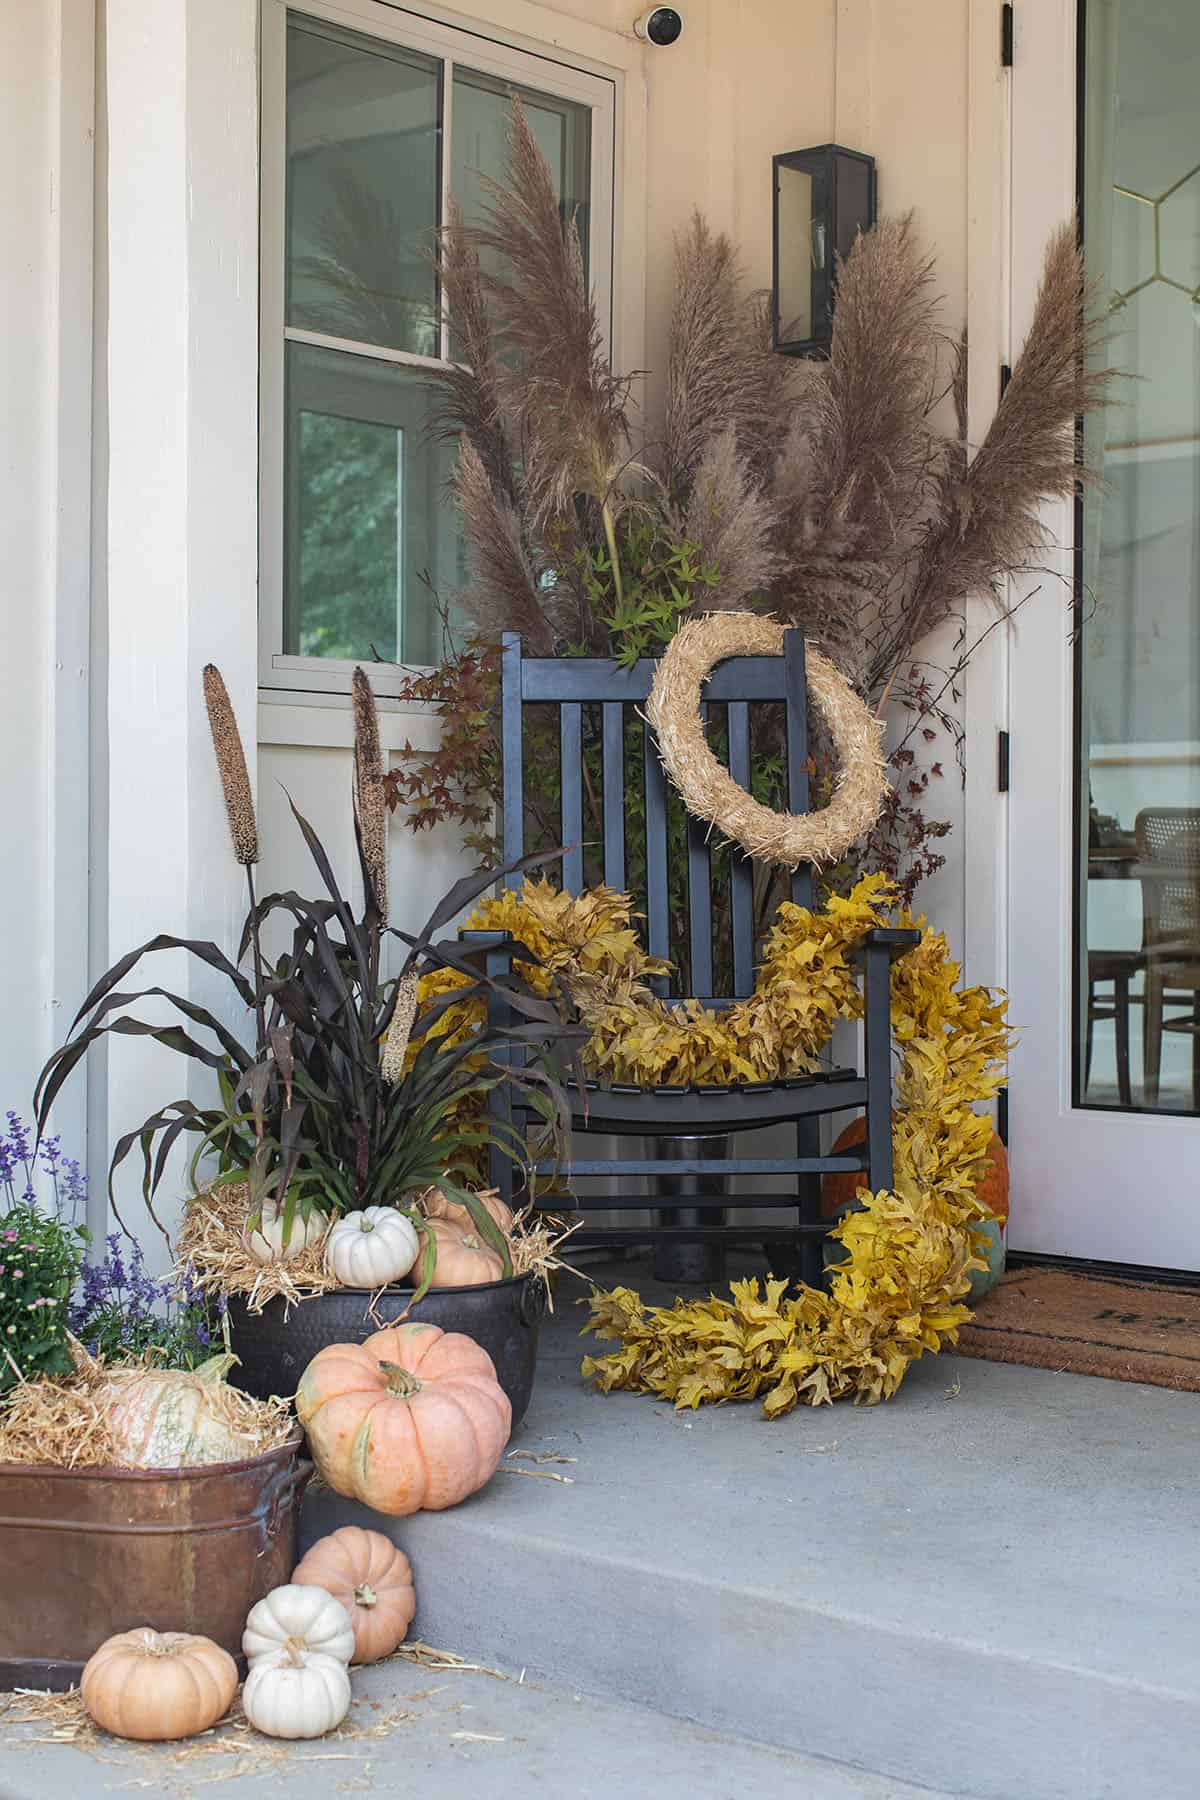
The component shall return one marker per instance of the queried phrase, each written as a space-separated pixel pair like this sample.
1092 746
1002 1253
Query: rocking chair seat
744 1106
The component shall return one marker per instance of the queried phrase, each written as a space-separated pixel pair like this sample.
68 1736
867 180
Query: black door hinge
1006 37
1005 378
1002 1116
1002 761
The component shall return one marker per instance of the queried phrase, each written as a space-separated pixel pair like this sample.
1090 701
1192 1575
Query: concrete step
987 1586
448 1736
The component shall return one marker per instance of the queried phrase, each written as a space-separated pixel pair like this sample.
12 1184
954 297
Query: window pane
479 143
1138 650
371 546
363 145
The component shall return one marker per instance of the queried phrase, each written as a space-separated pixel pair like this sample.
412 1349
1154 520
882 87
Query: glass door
1104 809
1137 1002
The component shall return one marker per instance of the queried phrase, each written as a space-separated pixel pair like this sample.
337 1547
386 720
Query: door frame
1079 1175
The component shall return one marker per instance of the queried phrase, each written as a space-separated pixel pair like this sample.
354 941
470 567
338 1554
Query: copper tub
87 1552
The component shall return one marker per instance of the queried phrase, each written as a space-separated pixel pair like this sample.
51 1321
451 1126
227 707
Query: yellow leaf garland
908 1254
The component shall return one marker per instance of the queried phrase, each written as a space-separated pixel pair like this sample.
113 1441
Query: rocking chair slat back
613 778
700 912
658 912
581 688
741 869
571 772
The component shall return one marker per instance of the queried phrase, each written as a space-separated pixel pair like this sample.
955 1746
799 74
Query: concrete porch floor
989 1585
987 1589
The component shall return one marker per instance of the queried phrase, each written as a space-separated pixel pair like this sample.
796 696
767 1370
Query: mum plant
42 1247
334 1096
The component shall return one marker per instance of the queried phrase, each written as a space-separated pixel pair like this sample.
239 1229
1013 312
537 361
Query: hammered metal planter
503 1316
90 1552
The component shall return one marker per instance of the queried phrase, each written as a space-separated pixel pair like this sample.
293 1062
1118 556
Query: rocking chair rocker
582 690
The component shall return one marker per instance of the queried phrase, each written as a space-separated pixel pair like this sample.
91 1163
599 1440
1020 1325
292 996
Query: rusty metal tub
87 1552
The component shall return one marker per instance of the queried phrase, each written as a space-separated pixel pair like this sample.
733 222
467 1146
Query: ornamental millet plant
324 1108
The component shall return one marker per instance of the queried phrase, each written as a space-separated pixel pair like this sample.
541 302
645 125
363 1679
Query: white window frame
323 680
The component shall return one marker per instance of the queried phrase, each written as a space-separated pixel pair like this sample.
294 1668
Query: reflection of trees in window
348 529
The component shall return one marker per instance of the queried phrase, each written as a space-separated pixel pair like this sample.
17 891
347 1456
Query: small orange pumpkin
436 1206
838 1190
157 1685
373 1580
412 1418
463 1258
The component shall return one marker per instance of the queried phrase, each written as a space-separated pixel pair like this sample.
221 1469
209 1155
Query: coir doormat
1126 1330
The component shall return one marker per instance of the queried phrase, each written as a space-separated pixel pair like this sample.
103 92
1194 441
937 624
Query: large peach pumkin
412 1419
838 1190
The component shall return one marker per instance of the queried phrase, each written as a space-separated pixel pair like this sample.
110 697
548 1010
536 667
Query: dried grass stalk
568 407
212 1243
370 803
231 765
722 375
731 522
470 401
64 1424
989 526
504 594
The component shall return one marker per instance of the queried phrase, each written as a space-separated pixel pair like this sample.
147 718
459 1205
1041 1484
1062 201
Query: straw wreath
711 793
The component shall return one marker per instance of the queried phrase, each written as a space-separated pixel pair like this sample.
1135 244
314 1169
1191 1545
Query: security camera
661 26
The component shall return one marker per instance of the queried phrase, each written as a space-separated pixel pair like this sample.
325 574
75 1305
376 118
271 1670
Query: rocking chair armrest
896 939
482 940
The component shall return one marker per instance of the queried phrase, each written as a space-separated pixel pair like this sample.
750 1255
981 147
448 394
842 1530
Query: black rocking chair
669 1114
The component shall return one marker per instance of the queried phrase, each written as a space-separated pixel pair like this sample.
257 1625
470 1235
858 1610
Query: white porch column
46 133
181 561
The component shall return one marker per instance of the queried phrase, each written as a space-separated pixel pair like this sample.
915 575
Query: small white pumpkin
265 1243
296 1694
298 1618
371 1248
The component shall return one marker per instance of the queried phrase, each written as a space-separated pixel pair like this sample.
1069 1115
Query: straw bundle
212 1242
711 793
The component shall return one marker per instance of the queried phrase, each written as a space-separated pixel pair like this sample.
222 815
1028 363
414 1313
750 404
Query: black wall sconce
822 199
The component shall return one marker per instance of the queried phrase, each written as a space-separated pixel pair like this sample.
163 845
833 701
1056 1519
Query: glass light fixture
823 197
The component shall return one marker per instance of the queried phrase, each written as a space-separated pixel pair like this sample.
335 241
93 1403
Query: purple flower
18 1138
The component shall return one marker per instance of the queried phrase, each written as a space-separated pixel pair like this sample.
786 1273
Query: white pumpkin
265 1243
171 1418
297 1618
296 1694
371 1248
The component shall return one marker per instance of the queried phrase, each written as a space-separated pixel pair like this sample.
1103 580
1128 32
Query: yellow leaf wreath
908 1254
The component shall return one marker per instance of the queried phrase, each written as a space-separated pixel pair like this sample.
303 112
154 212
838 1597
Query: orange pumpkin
157 1685
373 1580
436 1206
838 1190
463 1259
413 1418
